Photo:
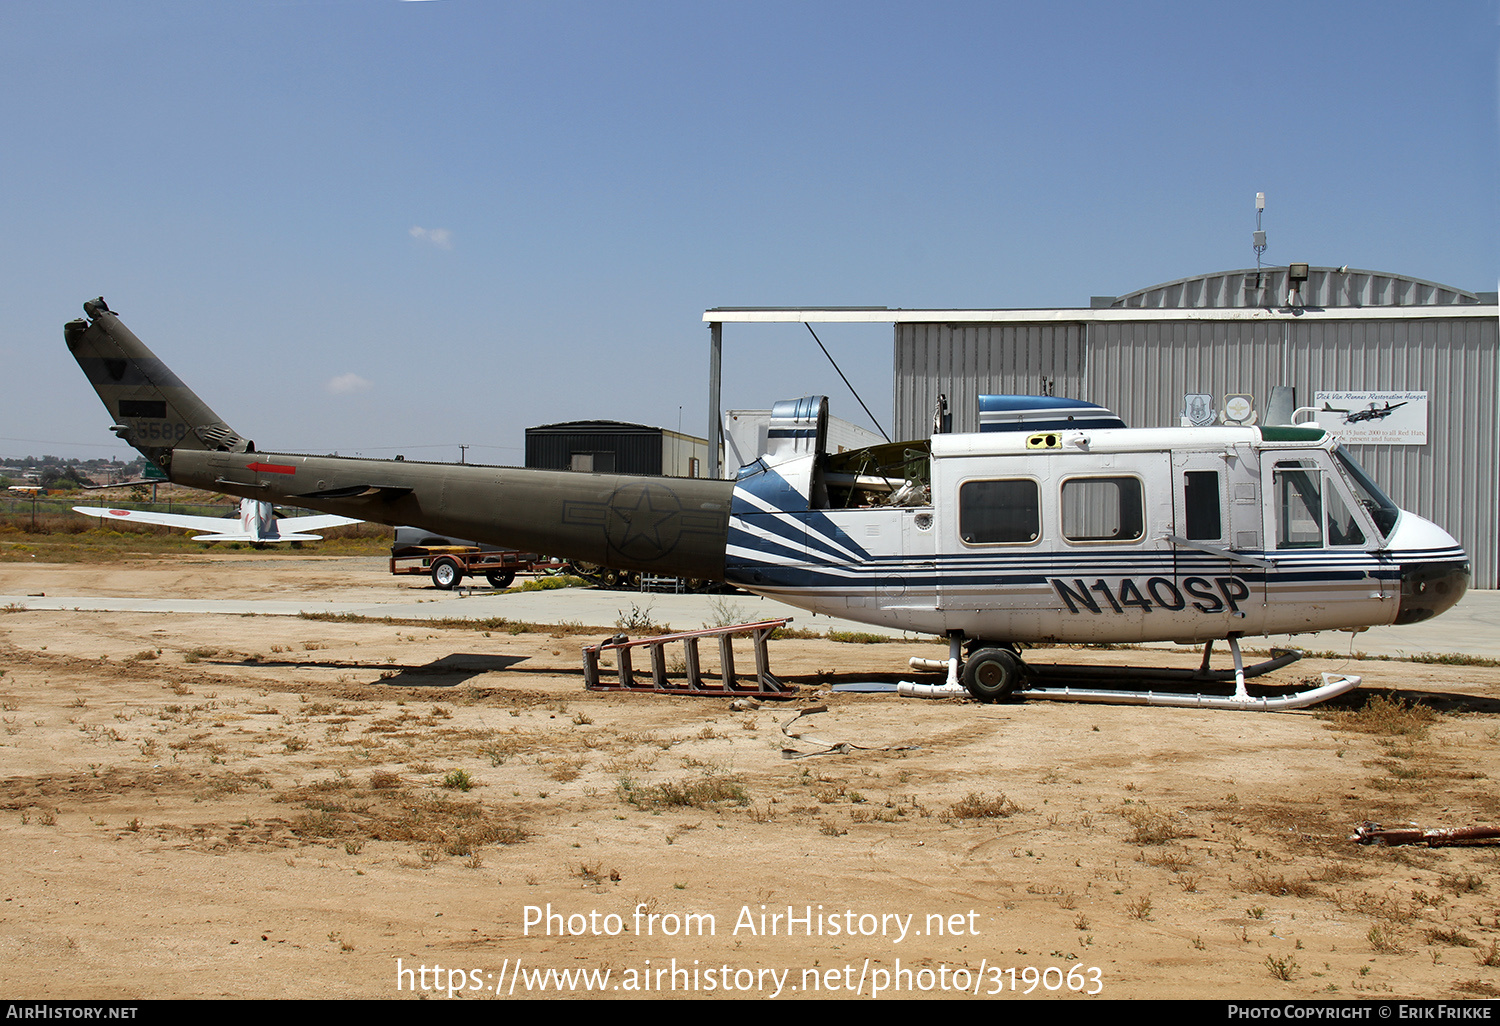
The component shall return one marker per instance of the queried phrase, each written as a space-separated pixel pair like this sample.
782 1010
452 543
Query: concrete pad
1471 628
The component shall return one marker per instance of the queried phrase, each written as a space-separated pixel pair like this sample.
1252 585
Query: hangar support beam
715 434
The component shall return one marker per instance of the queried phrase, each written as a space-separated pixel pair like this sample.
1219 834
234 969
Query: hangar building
1347 339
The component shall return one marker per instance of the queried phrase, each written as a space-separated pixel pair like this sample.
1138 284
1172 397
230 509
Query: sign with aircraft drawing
1374 418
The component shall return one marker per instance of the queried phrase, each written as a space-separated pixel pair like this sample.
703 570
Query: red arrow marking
273 468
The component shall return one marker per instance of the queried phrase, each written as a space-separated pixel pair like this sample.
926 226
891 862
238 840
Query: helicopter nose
1435 569
1428 589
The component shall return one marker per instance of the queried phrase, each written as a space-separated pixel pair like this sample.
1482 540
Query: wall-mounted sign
1239 410
1197 410
1374 418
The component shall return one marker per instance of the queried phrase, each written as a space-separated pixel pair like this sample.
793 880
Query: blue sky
376 226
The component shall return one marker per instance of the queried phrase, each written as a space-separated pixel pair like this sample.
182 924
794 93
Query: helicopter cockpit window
1368 494
991 512
1311 510
1343 525
1103 509
1299 505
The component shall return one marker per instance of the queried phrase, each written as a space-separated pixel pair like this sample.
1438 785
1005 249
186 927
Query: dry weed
1384 714
1261 881
1383 939
707 791
980 806
1151 826
1282 968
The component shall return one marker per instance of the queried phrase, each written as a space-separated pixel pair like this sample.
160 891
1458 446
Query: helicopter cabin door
1219 569
1323 543
1114 511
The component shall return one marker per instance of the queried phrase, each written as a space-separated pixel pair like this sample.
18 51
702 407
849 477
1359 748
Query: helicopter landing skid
1039 678
1334 684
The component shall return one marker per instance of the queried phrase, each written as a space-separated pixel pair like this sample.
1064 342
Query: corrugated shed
617 447
610 446
1143 370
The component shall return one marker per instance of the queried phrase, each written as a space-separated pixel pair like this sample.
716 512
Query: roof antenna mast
1259 238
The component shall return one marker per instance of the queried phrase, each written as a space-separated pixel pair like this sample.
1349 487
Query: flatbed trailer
448 565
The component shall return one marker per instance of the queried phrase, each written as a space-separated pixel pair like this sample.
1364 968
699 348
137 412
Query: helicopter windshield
1378 504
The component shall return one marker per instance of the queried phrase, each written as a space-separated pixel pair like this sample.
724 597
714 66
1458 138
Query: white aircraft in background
257 523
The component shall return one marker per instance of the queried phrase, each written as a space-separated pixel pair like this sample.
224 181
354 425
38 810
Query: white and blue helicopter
1053 524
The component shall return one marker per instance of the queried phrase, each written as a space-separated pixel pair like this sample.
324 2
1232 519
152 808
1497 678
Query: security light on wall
1296 277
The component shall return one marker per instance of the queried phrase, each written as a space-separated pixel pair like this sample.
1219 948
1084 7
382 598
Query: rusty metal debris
829 747
1374 833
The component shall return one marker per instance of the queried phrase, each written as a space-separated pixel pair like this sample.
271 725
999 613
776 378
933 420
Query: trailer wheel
500 578
446 574
991 674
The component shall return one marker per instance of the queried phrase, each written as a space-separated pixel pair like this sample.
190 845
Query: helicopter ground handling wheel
993 674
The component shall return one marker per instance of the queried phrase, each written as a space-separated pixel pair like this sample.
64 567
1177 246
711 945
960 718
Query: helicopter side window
1103 509
1200 502
1007 511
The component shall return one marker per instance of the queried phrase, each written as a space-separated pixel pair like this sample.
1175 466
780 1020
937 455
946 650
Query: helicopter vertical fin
154 411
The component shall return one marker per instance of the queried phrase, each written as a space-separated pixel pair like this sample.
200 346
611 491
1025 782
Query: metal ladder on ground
765 683
657 582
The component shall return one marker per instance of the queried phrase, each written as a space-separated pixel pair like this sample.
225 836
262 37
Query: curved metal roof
1325 287
606 426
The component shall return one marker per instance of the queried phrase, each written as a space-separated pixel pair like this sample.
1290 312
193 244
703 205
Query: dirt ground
258 806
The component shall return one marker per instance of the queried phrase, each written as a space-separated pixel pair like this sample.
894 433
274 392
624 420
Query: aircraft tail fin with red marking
153 410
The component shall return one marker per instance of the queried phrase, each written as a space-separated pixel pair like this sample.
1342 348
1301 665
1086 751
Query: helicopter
1054 524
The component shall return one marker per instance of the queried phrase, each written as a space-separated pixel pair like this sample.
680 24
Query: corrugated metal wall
1142 370
1454 479
965 361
